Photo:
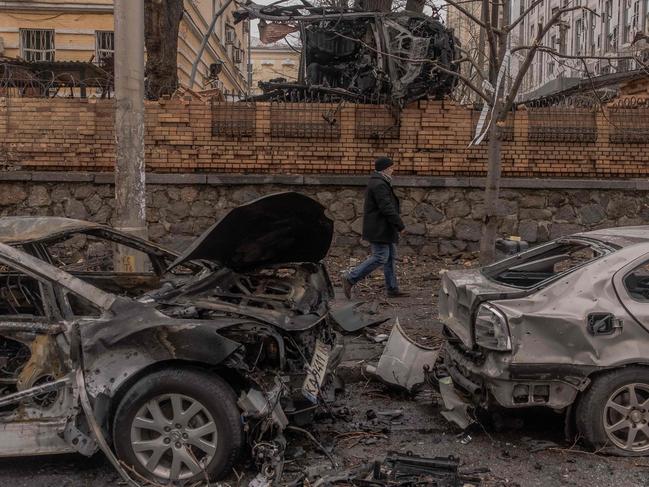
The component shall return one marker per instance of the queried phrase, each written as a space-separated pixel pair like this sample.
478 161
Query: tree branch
509 101
465 80
468 58
569 56
510 27
459 7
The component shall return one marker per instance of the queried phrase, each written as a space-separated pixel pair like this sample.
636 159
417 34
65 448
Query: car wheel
178 425
614 412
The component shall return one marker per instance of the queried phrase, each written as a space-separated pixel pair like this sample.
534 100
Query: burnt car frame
173 382
565 326
367 56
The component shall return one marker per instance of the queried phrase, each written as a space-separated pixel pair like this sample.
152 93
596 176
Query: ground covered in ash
523 449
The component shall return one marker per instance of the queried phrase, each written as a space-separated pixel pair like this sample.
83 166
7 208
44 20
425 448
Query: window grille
104 45
37 44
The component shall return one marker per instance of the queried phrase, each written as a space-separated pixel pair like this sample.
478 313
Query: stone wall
441 219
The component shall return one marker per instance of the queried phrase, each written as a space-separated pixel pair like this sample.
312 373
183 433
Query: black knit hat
382 163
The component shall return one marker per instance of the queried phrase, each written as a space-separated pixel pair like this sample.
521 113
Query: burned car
172 378
565 326
359 55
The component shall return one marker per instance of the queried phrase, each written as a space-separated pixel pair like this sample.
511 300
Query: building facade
605 28
74 30
272 62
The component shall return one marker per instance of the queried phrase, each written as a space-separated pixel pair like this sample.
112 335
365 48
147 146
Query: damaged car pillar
182 378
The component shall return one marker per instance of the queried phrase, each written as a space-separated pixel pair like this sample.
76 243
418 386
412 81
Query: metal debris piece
351 319
437 471
402 362
259 404
400 469
456 407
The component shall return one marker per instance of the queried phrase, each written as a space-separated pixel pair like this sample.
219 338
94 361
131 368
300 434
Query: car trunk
521 275
461 292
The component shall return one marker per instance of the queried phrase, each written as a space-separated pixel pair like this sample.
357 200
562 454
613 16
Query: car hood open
275 229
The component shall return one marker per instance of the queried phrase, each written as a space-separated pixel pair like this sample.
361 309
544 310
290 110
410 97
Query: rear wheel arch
589 408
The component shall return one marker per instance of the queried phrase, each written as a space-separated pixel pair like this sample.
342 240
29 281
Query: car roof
23 229
620 236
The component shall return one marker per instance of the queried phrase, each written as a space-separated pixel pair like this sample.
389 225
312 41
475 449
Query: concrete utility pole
130 196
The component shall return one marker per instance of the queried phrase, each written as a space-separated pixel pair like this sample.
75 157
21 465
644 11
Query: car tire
178 424
609 418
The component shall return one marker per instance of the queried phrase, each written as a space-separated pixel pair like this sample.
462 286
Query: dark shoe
347 288
397 294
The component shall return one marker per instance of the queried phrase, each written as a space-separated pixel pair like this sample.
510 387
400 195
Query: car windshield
542 264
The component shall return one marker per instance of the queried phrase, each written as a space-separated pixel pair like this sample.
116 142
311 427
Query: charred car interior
175 377
565 326
352 54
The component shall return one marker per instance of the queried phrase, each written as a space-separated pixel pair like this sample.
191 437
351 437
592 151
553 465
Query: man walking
381 227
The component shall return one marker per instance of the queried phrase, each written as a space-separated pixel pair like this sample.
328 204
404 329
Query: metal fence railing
377 122
563 119
305 120
629 120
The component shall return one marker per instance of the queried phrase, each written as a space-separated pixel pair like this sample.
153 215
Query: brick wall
78 135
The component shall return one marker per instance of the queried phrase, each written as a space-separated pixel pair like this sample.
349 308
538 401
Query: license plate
316 373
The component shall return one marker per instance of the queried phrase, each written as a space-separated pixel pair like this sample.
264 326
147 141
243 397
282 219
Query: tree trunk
161 23
492 189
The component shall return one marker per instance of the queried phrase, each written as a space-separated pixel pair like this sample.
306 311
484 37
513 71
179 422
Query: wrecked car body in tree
565 326
178 380
361 55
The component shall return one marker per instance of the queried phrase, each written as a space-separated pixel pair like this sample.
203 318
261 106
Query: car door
40 306
33 350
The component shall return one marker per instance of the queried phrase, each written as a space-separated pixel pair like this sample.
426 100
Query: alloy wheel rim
626 417
174 436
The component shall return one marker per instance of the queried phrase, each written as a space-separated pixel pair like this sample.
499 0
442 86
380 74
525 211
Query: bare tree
161 24
495 27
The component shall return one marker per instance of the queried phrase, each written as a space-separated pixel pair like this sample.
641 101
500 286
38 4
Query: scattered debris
403 361
352 318
456 407
403 470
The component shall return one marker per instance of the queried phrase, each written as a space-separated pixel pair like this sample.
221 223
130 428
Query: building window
104 45
267 62
237 55
578 35
230 34
626 32
37 44
607 26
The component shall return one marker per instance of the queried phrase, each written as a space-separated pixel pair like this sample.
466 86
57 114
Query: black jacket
381 220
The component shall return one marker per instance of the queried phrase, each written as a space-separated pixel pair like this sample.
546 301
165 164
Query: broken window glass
636 282
542 264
